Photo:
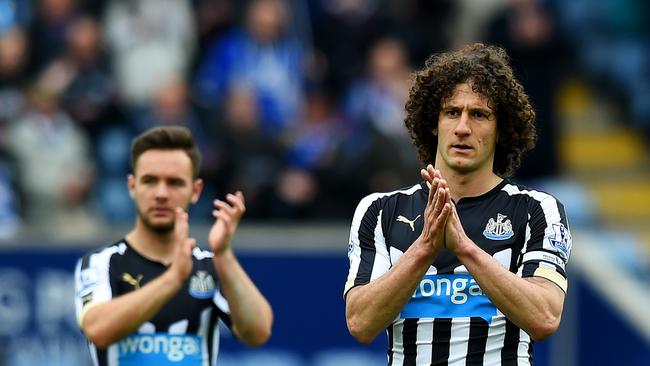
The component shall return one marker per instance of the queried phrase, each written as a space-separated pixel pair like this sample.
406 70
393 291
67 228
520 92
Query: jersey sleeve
367 250
92 283
548 248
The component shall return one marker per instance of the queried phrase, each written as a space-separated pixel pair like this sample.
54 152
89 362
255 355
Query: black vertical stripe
478 333
409 339
389 330
441 338
102 356
212 322
510 345
366 237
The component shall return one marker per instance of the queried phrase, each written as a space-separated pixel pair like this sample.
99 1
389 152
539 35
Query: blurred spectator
251 161
89 90
10 221
214 18
266 59
529 33
149 41
375 109
53 160
423 25
14 13
307 186
343 31
13 57
48 32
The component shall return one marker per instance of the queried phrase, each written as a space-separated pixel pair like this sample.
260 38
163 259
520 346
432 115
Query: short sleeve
92 282
548 246
367 250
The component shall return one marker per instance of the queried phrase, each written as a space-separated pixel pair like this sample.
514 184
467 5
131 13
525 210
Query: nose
161 191
462 128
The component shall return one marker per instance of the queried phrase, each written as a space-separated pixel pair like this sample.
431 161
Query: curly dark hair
486 68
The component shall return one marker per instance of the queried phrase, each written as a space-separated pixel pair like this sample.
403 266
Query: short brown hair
167 138
486 68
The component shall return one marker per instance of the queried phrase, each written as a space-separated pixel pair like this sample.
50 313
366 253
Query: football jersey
449 320
184 332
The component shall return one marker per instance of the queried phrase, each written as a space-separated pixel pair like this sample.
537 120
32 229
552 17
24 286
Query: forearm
251 314
373 307
533 304
111 321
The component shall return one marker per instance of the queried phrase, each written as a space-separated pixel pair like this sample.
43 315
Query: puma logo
135 282
411 223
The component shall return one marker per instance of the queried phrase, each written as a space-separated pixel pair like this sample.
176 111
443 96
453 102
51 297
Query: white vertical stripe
203 322
382 258
93 353
495 339
203 333
549 206
424 342
398 343
355 252
215 343
113 356
459 341
100 263
524 248
522 349
221 302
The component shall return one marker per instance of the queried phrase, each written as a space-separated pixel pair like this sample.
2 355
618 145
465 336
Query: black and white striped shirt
185 330
449 320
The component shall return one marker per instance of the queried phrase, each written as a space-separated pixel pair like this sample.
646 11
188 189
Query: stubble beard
160 229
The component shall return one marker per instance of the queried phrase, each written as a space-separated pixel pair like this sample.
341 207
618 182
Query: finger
441 198
433 172
241 197
181 225
445 213
224 206
225 218
190 244
425 176
235 201
432 192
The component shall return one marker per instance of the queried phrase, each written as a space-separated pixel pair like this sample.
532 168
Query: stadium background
299 103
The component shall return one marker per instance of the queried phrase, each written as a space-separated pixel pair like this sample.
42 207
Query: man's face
162 181
467 132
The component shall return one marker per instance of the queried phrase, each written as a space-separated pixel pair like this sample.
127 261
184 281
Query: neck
150 244
469 184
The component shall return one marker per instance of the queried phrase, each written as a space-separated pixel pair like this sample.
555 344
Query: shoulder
105 253
533 196
376 202
384 198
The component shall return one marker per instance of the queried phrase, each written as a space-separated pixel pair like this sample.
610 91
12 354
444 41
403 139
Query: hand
227 215
182 262
436 212
455 237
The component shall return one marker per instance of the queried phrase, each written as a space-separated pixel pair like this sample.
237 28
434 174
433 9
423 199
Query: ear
197 188
435 131
130 181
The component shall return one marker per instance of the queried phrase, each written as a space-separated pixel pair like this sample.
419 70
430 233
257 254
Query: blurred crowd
298 103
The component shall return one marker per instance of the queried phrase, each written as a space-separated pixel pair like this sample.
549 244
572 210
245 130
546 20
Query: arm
372 307
105 323
534 304
252 316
